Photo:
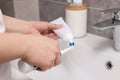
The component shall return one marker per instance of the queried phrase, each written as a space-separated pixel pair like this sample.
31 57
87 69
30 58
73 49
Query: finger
38 68
55 26
44 68
58 60
52 64
33 31
52 36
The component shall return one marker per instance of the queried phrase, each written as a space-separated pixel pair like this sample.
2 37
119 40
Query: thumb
55 26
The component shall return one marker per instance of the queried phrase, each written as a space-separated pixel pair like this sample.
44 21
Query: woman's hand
31 27
37 50
43 28
42 52
42 48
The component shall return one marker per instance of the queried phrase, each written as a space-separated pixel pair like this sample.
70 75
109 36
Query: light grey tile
58 0
61 0
27 9
99 3
50 10
7 7
114 4
94 17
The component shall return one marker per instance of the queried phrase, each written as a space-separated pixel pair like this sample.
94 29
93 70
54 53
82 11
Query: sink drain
109 65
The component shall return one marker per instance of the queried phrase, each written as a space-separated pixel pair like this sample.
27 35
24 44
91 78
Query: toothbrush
66 50
76 2
72 2
25 67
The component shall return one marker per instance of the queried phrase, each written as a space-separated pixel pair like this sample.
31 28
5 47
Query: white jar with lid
76 18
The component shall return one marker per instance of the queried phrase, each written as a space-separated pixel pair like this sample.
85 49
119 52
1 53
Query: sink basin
93 58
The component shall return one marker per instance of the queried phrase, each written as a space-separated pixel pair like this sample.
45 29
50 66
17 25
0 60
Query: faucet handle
112 10
115 14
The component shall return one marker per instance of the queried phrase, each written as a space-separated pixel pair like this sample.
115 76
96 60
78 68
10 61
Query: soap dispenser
76 17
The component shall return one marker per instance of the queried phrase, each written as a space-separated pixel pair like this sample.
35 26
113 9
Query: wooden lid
70 7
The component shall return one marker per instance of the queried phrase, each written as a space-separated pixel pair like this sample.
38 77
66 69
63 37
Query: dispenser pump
77 2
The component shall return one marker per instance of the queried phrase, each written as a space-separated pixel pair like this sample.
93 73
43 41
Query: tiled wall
27 9
7 7
51 9
22 9
95 16
48 10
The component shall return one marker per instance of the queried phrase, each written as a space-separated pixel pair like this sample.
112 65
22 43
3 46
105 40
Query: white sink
93 58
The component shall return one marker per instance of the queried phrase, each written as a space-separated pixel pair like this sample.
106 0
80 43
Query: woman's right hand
41 51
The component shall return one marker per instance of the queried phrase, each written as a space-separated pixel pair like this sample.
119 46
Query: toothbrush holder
76 18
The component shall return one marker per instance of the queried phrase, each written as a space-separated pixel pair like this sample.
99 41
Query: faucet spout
113 23
107 24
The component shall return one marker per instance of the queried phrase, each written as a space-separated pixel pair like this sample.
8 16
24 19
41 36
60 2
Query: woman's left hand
43 28
30 27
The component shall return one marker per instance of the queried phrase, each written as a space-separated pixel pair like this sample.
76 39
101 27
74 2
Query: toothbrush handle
25 67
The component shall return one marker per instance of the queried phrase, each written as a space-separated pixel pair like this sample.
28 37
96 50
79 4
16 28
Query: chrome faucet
114 23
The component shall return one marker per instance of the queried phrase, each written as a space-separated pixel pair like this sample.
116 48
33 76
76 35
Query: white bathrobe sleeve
5 69
2 25
10 71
